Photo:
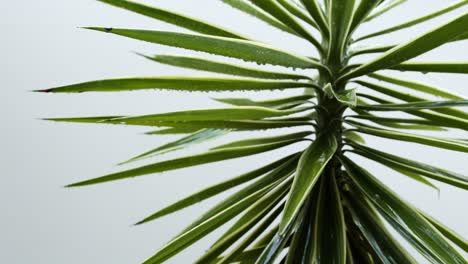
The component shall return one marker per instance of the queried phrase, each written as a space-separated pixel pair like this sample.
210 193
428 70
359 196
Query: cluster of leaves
316 205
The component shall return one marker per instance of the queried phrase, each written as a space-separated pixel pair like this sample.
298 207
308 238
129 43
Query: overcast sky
41 46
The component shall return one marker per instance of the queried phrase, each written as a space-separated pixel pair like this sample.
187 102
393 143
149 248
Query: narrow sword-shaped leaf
389 5
396 162
233 113
447 232
340 20
391 120
221 67
443 120
364 8
184 162
197 125
191 236
170 17
396 209
216 189
200 84
237 251
411 98
192 139
317 14
293 9
172 131
455 145
417 86
248 8
235 48
266 103
372 49
416 21
329 231
424 67
264 140
249 219
280 172
311 166
366 219
277 11
413 48
414 106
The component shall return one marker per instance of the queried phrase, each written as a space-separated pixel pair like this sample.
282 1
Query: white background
41 46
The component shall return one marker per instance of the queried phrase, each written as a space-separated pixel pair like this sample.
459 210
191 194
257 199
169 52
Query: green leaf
396 209
375 232
301 249
414 106
340 20
329 229
267 103
247 221
442 67
297 12
317 14
400 163
277 11
411 98
172 131
221 67
173 18
447 232
454 145
235 48
417 20
353 136
217 189
184 162
197 125
389 5
233 113
237 251
280 172
413 48
264 140
372 49
347 97
364 8
390 120
311 166
258 13
202 84
417 86
438 119
192 139
191 236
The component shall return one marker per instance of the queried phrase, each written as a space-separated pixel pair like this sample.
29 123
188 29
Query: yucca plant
316 205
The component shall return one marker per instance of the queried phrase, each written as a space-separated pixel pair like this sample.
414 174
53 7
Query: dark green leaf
417 86
221 67
425 67
217 189
264 140
311 166
184 162
417 20
384 8
317 14
393 207
329 229
202 84
192 139
397 162
455 145
414 106
413 48
236 48
340 20
173 18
